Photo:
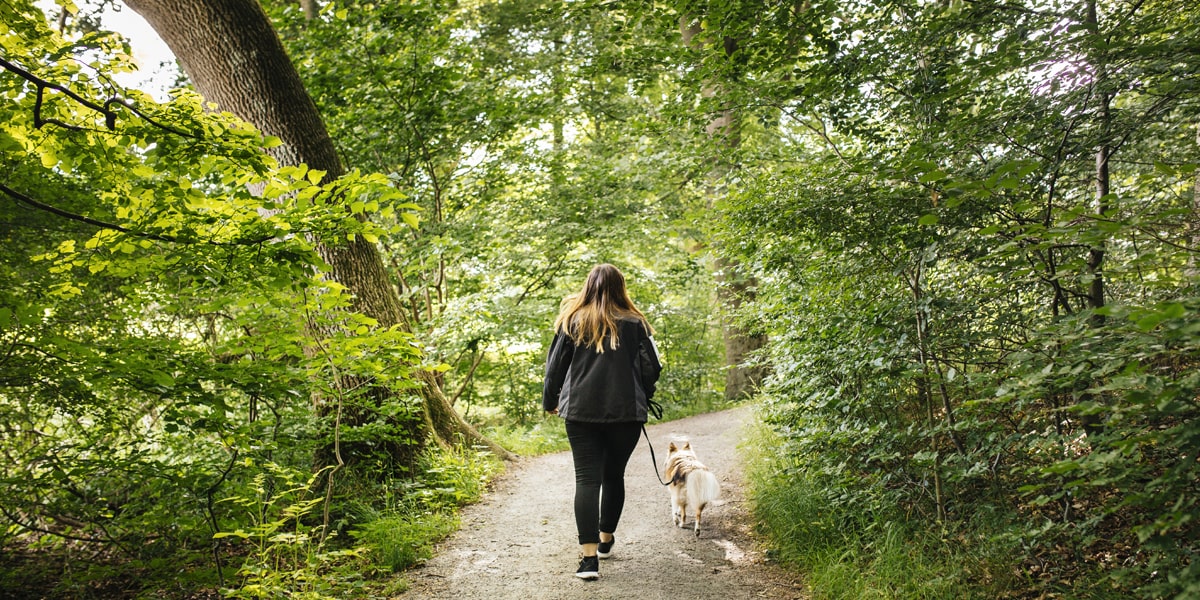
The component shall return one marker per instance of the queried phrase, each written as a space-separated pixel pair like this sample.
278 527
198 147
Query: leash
655 409
653 460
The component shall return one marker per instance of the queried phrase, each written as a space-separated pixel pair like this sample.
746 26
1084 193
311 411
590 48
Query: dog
691 484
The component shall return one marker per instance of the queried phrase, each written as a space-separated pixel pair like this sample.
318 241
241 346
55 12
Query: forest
264 335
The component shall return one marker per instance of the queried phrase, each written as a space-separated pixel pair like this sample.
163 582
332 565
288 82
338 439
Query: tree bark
1095 261
233 55
310 8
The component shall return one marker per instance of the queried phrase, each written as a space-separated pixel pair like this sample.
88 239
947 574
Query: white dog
691 484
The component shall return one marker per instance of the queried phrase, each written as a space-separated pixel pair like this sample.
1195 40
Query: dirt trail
519 542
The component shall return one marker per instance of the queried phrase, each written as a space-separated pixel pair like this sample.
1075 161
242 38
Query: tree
237 61
724 133
166 305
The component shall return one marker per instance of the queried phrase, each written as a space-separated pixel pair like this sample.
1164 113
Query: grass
543 435
399 541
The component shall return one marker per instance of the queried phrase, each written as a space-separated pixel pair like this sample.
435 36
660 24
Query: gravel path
519 542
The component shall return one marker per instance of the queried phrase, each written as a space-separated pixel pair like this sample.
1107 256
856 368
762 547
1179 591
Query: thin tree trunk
1093 423
231 52
732 290
1192 272
310 8
926 396
1095 260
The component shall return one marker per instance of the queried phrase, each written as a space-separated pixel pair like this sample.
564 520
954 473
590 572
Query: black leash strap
656 410
652 459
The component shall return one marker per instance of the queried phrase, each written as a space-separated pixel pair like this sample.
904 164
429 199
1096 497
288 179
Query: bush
855 548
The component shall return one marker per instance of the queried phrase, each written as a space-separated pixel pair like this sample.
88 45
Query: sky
149 51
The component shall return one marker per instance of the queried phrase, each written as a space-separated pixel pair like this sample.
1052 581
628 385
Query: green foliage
285 556
689 342
175 358
962 323
451 479
983 361
158 324
847 552
401 532
539 436
523 133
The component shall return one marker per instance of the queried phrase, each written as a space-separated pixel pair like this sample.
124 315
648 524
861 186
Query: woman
600 374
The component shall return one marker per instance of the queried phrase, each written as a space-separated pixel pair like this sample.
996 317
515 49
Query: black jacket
609 387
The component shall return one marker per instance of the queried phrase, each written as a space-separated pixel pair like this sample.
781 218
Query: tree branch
106 109
31 527
467 378
30 202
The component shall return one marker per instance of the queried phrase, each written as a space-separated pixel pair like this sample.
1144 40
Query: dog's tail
702 488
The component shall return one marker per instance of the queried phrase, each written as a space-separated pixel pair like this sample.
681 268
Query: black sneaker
604 550
589 568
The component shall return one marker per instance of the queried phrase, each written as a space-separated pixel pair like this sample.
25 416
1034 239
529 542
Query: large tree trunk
734 286
234 57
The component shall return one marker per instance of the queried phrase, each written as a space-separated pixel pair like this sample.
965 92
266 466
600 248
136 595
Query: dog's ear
671 447
687 445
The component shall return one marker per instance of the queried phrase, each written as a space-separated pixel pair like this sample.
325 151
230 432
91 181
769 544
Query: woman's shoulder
633 321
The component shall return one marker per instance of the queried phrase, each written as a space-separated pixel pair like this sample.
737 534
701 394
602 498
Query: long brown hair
590 317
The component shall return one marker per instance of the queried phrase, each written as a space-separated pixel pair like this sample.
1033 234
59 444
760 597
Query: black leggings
600 451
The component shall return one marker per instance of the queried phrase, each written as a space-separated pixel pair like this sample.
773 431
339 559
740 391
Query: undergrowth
377 529
277 544
861 554
280 546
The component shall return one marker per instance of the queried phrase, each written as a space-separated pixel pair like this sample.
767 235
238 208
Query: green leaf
1174 310
931 176
161 378
8 143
